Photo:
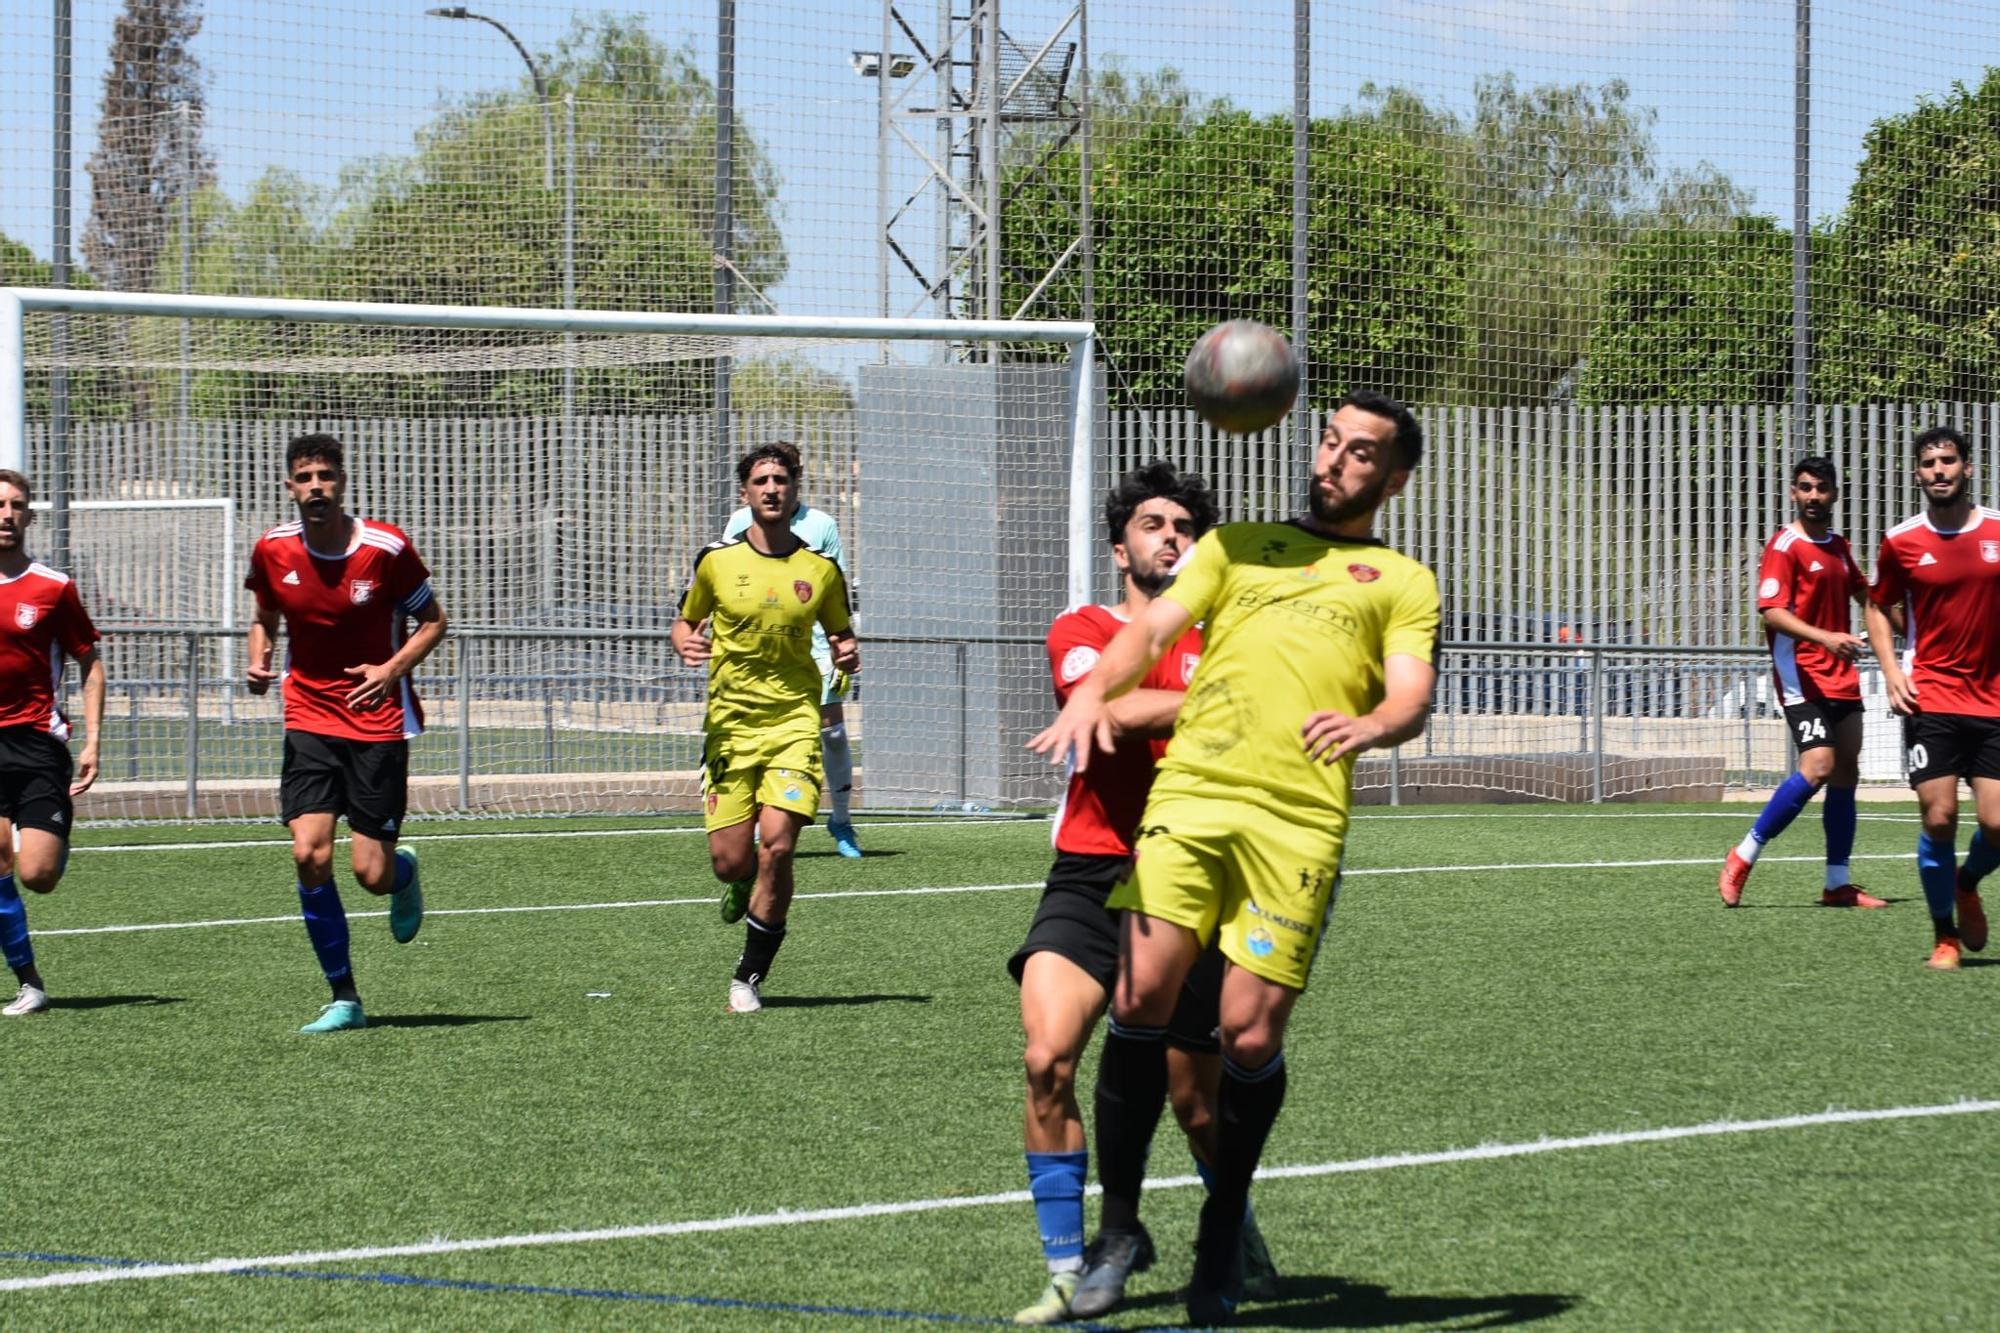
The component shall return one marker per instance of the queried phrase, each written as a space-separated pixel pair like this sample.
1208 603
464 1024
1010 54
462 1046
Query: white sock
1073 1264
838 761
1750 849
1836 877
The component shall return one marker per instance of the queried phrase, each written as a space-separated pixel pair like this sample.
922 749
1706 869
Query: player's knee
40 879
1191 1109
1940 828
1817 765
314 860
733 866
1051 1071
777 851
1251 1044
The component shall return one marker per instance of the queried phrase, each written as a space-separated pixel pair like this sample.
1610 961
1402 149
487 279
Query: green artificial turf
554 1071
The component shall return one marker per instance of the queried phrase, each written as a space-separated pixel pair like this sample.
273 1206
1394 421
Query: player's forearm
1882 639
263 635
1787 622
93 700
430 633
1146 713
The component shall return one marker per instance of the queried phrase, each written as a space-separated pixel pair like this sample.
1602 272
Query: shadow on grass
110 1001
1335 1302
441 1020
828 1001
866 855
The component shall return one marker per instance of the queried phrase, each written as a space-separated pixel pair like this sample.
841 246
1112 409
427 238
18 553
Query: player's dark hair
9 477
305 448
777 451
1409 436
1820 468
1158 480
1942 435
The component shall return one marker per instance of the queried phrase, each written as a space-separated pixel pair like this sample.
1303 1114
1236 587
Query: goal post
559 469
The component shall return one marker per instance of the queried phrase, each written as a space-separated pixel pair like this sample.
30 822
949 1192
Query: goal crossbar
1080 337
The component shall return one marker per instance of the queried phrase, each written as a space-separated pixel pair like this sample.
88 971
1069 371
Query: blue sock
1836 815
1056 1180
1937 867
404 871
1779 812
326 927
14 927
1980 857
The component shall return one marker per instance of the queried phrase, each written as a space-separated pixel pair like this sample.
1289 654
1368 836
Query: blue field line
575 1293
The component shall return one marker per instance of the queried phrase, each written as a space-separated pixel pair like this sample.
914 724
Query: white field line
787 1217
709 900
498 834
225 845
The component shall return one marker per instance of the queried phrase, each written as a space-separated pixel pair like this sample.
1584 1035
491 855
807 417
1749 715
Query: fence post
465 726
193 758
548 722
958 653
1395 775
1597 727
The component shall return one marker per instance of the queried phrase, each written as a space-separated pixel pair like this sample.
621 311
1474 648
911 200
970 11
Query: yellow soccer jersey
762 609
1295 623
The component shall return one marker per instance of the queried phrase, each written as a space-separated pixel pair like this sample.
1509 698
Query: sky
312 84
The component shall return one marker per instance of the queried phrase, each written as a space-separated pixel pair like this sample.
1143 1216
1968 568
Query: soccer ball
1242 376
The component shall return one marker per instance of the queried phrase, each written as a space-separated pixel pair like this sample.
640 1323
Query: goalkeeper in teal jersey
816 528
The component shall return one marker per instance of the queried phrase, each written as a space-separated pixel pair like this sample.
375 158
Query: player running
1320 643
344 586
1804 584
1943 568
41 620
816 528
762 595
1070 959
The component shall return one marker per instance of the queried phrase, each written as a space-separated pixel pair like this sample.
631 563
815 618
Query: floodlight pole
534 73
1801 221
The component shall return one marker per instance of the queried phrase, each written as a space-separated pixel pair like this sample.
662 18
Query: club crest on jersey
803 589
1077 662
1364 573
361 590
1768 588
26 614
1990 552
1189 661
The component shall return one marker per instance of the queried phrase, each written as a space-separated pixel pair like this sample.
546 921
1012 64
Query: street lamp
882 66
534 72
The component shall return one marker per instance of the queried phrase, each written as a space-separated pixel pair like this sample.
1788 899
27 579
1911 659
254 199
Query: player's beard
1957 493
1362 504
1151 579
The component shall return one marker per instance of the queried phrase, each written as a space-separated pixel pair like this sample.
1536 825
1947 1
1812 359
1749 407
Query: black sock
760 946
1131 1090
1245 1110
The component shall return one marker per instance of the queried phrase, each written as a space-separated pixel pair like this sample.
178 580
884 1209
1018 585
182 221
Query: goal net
558 471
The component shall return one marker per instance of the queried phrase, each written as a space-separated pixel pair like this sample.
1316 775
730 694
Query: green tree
93 393
1915 300
1192 220
1695 312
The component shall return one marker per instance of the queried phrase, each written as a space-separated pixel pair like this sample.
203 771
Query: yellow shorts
1262 887
738 777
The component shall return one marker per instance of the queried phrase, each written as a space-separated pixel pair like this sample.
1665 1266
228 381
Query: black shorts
1072 921
1945 745
35 771
368 781
1813 722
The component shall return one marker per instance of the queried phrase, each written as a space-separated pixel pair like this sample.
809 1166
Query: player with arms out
345 588
816 528
1943 568
1068 964
1319 643
41 620
761 595
1804 585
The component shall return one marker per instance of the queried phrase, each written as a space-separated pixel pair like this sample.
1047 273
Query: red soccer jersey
41 618
1103 804
1814 580
1949 585
340 611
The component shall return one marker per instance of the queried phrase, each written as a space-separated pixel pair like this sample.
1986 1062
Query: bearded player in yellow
1319 643
761 593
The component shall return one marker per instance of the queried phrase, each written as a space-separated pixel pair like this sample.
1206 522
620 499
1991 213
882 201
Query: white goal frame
1080 337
